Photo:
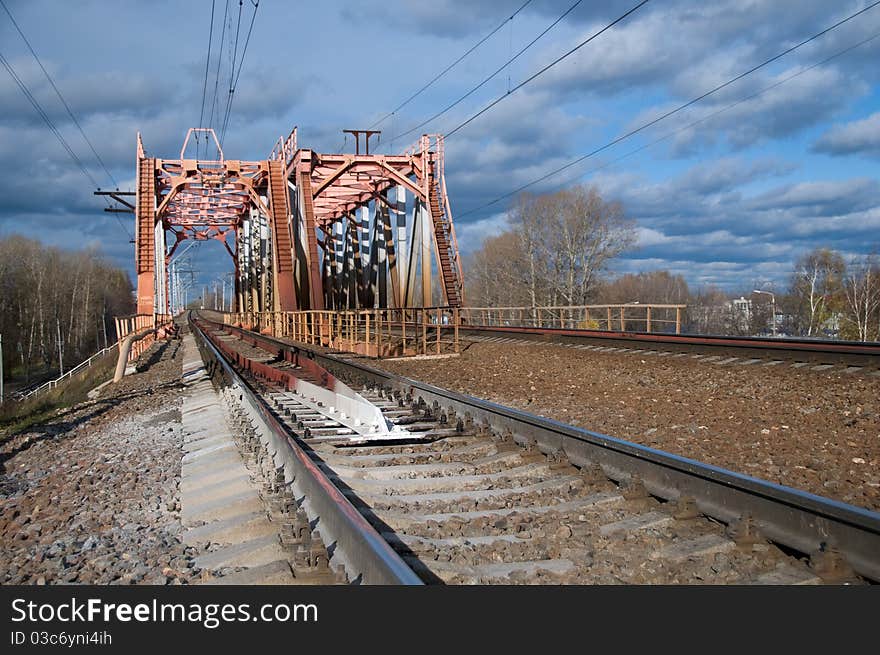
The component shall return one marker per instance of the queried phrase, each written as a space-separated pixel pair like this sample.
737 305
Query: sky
729 191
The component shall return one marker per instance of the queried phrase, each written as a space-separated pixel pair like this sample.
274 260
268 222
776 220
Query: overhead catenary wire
671 112
42 113
234 85
718 112
562 57
504 66
205 85
217 74
60 96
231 72
449 67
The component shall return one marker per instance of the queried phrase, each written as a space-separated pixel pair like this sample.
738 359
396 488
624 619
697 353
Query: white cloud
857 137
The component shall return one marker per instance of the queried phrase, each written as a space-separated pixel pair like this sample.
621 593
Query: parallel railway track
465 491
821 352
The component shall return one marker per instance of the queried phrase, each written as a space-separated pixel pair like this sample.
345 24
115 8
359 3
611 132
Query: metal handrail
84 364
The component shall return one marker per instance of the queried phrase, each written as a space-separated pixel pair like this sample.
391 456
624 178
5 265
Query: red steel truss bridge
305 230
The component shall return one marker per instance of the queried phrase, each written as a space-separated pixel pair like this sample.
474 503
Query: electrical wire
42 113
217 74
450 67
492 76
256 4
548 67
671 112
60 97
205 85
231 73
717 112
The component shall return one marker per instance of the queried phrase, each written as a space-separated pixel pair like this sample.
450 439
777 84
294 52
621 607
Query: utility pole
772 310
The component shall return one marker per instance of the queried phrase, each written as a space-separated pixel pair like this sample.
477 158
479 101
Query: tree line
557 249
56 306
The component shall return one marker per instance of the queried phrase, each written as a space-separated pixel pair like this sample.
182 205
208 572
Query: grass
16 416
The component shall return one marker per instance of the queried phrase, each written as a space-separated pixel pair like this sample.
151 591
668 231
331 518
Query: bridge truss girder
305 230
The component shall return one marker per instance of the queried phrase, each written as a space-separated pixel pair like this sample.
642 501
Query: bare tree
563 242
861 290
51 301
658 287
817 285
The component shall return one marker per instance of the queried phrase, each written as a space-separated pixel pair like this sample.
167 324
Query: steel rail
851 352
796 519
367 557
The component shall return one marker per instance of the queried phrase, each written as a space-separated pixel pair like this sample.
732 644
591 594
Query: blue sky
732 201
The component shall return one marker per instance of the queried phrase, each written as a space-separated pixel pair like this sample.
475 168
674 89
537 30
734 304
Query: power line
231 74
217 74
718 112
481 84
205 85
549 66
60 97
671 112
449 68
39 109
234 86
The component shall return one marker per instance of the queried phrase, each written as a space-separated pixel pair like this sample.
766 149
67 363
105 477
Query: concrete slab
709 544
199 495
254 552
634 523
216 464
222 505
789 575
209 441
210 482
215 452
277 572
240 527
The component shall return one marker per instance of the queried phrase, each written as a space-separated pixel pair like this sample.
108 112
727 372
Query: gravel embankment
91 496
811 430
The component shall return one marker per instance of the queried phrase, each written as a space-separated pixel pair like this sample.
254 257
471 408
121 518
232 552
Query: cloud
860 137
470 235
740 187
821 198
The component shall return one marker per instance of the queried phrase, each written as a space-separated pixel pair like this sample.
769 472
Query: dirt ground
815 431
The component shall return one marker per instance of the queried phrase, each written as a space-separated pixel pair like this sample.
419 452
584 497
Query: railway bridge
305 230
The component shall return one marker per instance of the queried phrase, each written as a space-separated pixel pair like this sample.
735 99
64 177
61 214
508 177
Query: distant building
740 310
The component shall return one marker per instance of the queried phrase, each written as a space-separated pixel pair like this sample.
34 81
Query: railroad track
458 490
807 354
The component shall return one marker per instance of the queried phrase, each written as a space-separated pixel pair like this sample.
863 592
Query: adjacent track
473 492
818 351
